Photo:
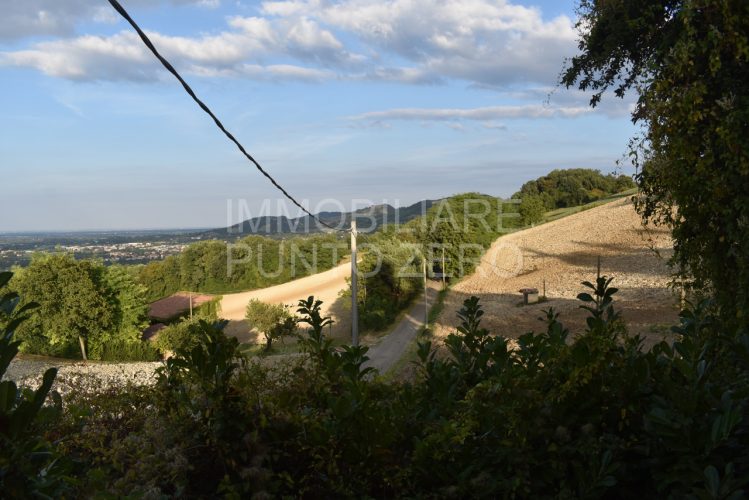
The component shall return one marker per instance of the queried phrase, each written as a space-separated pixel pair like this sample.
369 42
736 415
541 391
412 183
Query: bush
178 336
129 351
29 466
532 210
562 416
272 320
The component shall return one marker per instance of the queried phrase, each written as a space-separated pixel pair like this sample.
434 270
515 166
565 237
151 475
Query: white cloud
25 18
483 114
491 43
235 53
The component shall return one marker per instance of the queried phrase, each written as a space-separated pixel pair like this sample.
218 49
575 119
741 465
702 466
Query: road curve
324 286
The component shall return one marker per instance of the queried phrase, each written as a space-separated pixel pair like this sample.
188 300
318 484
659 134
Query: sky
345 103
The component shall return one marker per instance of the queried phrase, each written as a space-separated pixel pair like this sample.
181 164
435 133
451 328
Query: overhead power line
121 10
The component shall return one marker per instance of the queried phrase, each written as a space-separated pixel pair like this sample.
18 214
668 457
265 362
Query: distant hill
368 219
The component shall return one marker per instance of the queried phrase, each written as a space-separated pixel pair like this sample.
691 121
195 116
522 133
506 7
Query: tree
532 210
573 186
272 320
75 303
688 60
130 310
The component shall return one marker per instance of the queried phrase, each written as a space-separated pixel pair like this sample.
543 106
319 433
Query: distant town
115 247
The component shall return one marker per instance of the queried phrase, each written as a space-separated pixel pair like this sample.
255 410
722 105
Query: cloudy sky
342 101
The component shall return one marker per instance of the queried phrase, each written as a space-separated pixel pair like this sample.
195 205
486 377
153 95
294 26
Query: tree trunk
269 342
83 347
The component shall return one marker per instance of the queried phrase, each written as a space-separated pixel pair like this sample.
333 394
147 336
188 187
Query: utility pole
426 300
354 292
443 267
190 304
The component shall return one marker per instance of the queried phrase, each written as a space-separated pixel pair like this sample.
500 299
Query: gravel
80 375
563 253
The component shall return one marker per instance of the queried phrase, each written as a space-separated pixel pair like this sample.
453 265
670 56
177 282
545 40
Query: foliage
75 304
391 274
465 225
688 61
553 415
572 187
390 277
83 305
251 262
273 320
129 301
181 335
119 350
28 465
532 209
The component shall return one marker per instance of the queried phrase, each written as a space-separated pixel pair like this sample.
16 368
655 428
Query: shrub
28 463
562 416
129 351
272 320
182 335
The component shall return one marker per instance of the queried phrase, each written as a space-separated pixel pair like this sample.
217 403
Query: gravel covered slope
562 254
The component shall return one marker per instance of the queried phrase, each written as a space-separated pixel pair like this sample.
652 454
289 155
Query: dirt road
324 286
390 348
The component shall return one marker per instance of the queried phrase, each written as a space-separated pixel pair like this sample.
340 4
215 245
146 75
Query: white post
354 291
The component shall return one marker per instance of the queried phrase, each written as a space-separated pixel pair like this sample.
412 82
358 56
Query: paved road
389 350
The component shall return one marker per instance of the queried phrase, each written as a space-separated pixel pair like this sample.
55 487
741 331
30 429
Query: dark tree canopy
573 187
688 61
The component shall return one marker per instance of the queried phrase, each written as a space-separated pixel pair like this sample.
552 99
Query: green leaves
688 62
26 462
272 320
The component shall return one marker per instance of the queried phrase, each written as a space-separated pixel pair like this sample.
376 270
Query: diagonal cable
121 10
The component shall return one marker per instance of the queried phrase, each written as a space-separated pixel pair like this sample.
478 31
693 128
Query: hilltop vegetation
460 227
252 262
572 187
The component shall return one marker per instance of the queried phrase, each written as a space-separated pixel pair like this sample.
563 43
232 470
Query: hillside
369 219
563 253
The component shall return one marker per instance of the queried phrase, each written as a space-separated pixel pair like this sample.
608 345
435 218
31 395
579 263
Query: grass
564 212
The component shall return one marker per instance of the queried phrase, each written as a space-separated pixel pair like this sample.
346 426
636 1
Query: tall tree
75 304
688 60
127 299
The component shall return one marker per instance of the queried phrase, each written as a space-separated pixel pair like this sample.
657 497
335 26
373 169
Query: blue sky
342 101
